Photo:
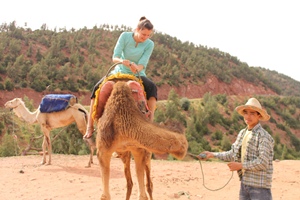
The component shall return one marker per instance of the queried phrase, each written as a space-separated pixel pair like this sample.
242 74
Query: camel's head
13 103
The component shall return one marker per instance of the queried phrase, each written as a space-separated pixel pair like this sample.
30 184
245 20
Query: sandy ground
67 178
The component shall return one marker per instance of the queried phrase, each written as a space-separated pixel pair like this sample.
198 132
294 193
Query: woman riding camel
133 51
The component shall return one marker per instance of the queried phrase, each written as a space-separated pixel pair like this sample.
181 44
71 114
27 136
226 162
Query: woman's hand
126 63
133 67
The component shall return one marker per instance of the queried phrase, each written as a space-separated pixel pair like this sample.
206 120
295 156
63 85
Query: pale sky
262 33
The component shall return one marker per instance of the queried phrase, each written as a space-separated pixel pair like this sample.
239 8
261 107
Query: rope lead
203 182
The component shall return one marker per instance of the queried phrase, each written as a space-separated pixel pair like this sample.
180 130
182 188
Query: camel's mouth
8 107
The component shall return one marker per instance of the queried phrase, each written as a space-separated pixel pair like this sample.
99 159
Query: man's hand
235 166
205 155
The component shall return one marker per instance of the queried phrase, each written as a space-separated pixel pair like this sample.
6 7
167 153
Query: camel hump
57 102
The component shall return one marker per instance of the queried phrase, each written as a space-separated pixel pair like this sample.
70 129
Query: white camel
48 121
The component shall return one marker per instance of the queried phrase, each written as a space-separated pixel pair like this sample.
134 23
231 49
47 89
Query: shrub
185 103
225 144
9 85
8 146
218 135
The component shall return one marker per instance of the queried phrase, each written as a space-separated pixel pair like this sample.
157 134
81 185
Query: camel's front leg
104 161
49 150
148 175
125 157
44 146
140 157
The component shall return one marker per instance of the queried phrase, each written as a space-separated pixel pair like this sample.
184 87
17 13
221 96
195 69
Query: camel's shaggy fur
123 129
48 121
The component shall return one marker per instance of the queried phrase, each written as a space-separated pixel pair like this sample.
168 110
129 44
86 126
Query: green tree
8 146
38 55
211 109
173 107
225 143
9 85
15 47
37 79
185 103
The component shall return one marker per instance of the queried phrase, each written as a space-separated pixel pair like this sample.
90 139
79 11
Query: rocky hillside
73 61
40 62
191 91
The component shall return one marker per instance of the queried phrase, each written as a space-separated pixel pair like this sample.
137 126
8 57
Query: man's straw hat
253 104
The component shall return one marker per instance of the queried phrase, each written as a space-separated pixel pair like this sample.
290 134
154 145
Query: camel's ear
18 101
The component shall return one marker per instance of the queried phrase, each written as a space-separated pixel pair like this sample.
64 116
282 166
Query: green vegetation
209 125
74 60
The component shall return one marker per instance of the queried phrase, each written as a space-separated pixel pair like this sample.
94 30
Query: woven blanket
57 102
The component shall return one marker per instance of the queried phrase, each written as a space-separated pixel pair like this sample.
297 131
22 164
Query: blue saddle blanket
57 102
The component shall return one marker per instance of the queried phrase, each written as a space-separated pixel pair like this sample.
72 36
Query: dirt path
67 178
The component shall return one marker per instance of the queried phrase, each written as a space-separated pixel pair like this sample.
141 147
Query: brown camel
124 129
48 121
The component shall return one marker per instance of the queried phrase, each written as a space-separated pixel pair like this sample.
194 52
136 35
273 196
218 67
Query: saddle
57 102
105 89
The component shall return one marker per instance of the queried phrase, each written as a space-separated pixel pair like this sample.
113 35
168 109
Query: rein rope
202 172
113 66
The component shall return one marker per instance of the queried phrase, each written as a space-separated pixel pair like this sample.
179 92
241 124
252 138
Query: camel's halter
203 183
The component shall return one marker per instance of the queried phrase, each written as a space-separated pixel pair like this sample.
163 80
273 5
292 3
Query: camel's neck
22 112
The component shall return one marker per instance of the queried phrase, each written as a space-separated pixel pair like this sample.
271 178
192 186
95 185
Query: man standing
251 155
